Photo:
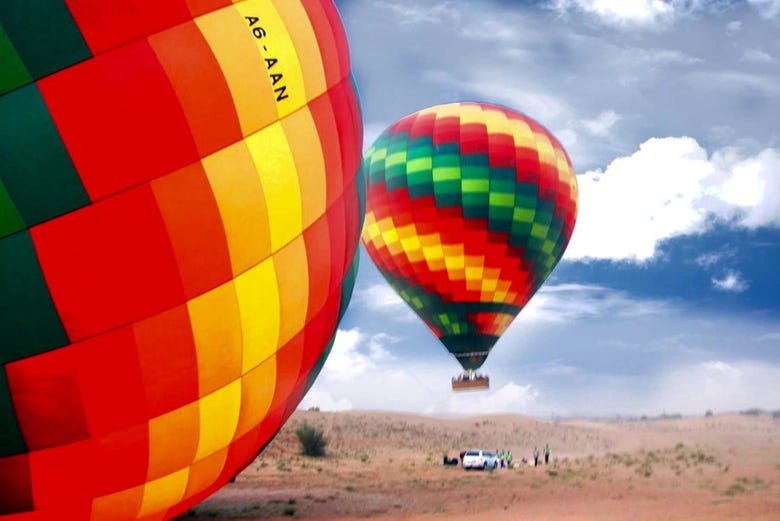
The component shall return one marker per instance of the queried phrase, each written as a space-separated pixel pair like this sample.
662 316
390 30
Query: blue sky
668 298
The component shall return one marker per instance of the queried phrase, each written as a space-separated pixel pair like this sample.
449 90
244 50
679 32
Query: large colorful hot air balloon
179 215
469 207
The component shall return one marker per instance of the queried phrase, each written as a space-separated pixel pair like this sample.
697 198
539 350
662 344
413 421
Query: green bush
312 439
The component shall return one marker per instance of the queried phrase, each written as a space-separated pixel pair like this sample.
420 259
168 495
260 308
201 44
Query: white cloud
436 13
622 12
354 353
733 82
719 386
709 259
766 8
324 401
511 398
670 187
383 298
602 124
732 282
733 27
542 107
757 56
564 303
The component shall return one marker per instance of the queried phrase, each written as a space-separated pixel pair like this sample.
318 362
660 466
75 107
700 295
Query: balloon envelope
469 207
179 215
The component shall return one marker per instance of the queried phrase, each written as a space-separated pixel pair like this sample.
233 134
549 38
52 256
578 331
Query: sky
668 297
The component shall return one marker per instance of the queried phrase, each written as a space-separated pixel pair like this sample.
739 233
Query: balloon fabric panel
177 245
469 208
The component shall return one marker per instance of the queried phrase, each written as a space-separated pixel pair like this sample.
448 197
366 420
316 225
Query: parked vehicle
479 459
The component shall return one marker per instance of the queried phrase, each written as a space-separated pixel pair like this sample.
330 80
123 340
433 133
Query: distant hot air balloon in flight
179 215
469 207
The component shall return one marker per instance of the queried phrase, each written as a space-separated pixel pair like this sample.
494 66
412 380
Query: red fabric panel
47 399
156 16
200 86
325 121
195 229
63 477
109 264
169 364
323 31
317 240
119 119
201 7
105 25
120 459
110 381
15 486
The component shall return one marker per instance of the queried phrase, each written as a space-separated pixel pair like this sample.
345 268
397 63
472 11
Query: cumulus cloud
622 12
671 187
510 398
324 401
355 353
719 385
602 124
732 282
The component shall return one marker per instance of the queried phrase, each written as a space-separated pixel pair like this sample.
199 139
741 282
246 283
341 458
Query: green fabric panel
10 220
11 440
14 72
37 170
29 323
44 34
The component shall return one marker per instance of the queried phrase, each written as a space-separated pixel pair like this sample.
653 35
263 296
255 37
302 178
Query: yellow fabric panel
304 141
471 114
299 25
241 201
522 134
161 493
451 110
545 149
371 229
281 57
566 173
279 176
257 393
475 268
258 301
218 419
216 328
292 272
173 438
242 65
497 122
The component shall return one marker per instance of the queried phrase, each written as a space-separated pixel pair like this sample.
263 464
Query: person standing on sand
546 453
536 456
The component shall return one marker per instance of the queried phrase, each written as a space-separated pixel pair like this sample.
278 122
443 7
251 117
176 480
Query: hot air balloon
469 207
179 215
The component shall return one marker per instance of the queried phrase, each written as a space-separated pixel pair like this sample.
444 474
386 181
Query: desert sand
388 466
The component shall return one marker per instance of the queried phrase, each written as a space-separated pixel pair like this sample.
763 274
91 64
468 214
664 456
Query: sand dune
388 466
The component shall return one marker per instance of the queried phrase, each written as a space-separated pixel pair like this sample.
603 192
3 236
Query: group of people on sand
546 455
504 459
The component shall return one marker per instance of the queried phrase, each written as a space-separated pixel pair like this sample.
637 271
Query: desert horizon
389 466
